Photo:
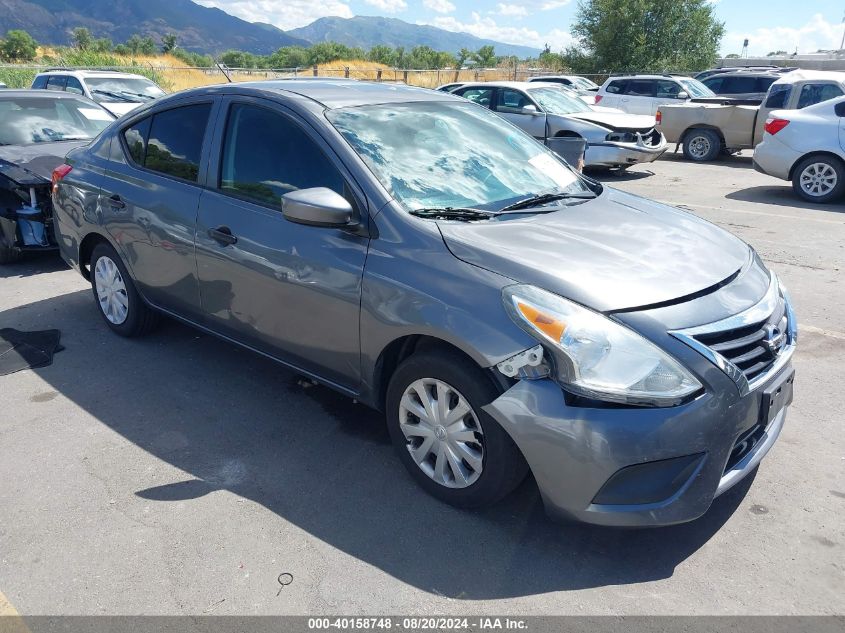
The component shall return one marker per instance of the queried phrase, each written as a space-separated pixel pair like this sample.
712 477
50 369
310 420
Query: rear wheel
449 445
819 179
118 301
702 145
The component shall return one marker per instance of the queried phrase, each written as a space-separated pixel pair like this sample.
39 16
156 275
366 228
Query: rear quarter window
40 82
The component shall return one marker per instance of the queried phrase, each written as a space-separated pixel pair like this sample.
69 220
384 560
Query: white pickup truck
708 129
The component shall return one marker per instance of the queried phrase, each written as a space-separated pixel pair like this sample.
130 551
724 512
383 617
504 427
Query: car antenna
225 71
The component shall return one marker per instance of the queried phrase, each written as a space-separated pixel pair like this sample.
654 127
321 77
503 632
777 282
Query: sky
770 26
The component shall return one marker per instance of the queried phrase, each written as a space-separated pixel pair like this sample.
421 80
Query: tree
732 56
102 45
289 57
463 55
168 43
137 45
485 57
381 54
647 35
19 46
777 54
81 38
239 59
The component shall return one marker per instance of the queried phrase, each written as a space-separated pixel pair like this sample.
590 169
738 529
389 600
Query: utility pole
842 43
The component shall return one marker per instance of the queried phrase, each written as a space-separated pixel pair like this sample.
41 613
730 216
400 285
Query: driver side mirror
683 94
530 109
318 206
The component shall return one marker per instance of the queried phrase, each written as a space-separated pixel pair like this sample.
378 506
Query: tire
474 435
824 175
138 319
702 145
9 254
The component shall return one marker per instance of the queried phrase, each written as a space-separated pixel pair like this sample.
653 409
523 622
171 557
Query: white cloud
285 15
487 28
816 34
517 10
388 6
439 6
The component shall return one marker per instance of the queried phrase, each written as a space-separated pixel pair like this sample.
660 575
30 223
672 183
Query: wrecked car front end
26 214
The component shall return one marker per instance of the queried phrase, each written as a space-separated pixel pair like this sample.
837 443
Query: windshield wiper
452 213
543 198
138 94
115 95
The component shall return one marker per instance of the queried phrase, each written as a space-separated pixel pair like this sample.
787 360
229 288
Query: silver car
807 147
418 253
553 116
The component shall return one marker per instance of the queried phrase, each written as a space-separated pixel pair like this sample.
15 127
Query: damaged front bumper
629 466
26 220
609 153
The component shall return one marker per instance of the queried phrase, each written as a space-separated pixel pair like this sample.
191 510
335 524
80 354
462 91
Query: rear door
611 95
666 93
289 290
510 104
150 197
481 96
638 97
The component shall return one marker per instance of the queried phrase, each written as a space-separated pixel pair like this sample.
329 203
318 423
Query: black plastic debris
27 350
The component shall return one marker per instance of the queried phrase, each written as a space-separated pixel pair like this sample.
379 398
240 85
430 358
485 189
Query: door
665 93
638 97
481 96
289 290
613 94
511 104
149 201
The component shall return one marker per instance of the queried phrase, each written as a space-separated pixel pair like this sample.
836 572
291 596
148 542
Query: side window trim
217 141
205 150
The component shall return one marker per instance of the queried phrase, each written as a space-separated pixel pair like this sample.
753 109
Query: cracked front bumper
611 154
575 451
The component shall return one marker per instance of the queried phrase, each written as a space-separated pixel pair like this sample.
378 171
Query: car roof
334 93
811 75
750 73
657 76
35 93
89 73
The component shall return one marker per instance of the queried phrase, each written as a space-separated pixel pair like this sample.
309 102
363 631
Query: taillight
599 98
773 126
658 117
58 173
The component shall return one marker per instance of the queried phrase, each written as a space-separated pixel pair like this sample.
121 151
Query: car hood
33 164
616 252
616 120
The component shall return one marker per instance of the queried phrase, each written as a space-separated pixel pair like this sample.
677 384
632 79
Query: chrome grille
751 348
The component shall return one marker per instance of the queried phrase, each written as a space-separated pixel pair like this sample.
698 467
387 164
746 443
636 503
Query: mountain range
210 30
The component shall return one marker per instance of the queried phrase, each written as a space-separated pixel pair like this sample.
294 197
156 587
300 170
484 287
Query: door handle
116 202
223 235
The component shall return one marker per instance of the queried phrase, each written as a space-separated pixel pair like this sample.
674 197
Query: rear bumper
774 158
586 460
618 154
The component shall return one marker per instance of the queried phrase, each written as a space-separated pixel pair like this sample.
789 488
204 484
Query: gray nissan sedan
417 252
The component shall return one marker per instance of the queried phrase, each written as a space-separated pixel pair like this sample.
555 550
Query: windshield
558 101
442 154
696 89
25 120
111 89
585 83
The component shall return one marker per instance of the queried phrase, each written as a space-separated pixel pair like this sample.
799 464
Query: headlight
596 356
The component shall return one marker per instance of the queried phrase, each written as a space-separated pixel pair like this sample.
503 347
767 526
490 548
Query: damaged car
37 129
555 117
423 256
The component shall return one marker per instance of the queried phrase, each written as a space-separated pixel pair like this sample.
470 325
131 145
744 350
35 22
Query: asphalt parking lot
179 475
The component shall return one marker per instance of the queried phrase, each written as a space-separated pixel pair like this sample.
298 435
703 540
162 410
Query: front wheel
819 179
118 301
448 444
702 145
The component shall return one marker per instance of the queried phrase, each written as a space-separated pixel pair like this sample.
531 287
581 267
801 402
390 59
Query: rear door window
617 87
56 82
739 84
640 88
481 96
170 142
812 94
510 100
667 89
74 86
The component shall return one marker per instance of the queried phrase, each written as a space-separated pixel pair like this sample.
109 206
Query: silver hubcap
699 146
818 179
111 291
442 432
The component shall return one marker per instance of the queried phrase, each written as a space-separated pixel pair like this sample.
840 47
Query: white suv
118 93
643 94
